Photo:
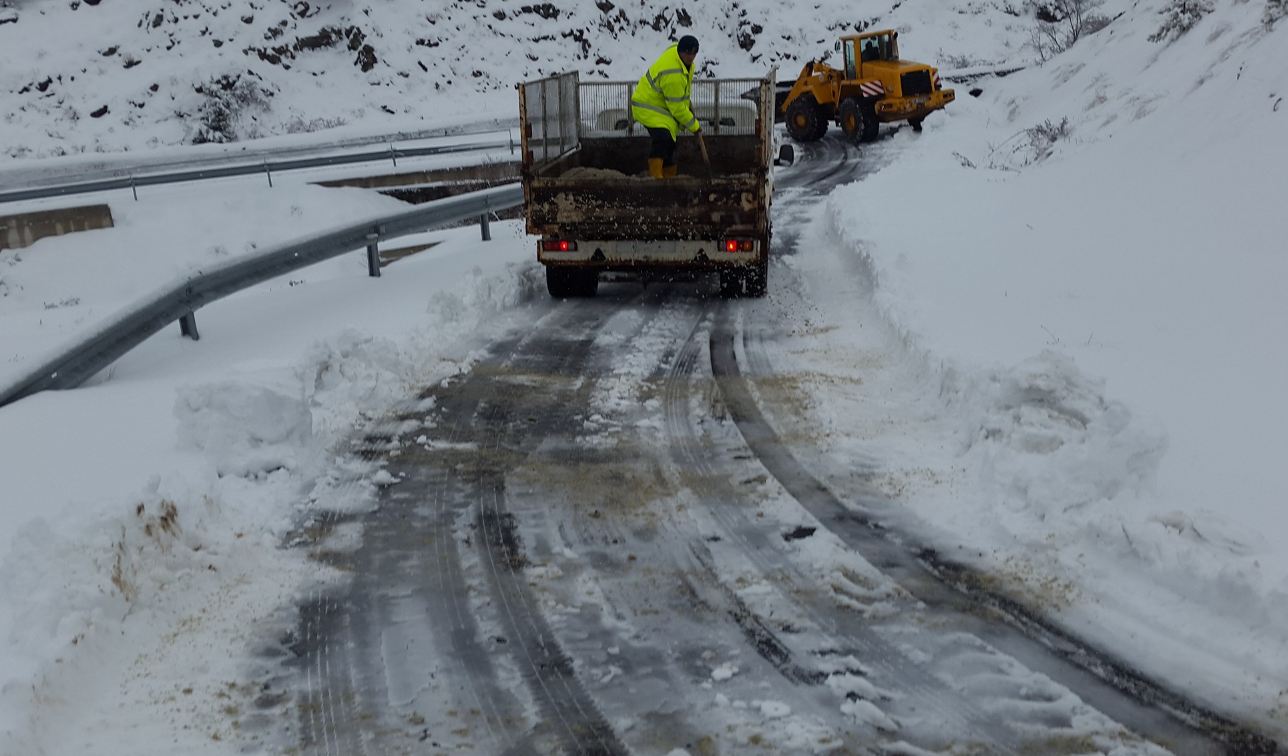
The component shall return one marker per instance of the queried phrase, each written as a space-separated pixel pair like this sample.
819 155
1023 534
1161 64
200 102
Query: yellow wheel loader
873 87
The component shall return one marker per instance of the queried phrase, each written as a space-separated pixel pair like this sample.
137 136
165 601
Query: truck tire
803 119
756 279
567 283
749 281
731 283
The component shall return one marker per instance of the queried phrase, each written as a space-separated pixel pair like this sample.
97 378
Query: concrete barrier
23 229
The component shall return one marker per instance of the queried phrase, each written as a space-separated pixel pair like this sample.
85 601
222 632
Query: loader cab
872 47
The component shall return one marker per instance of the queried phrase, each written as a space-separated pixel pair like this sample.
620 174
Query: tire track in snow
1108 685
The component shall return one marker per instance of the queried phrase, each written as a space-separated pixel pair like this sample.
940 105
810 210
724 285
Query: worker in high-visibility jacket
660 104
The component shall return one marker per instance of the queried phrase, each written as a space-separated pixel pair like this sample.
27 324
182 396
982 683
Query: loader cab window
851 64
880 47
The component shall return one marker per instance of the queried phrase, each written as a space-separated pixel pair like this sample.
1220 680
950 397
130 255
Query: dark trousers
663 146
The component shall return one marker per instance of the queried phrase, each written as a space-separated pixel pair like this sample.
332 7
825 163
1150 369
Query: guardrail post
373 255
188 326
269 173
393 155
486 227
134 188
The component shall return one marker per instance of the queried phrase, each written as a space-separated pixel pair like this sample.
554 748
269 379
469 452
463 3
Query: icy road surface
612 536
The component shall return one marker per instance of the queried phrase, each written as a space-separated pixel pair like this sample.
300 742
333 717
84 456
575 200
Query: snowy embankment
1087 264
144 513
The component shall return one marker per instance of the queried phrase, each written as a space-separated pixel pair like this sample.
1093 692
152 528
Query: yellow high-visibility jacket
661 98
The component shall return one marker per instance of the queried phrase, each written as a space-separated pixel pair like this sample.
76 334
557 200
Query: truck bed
601 191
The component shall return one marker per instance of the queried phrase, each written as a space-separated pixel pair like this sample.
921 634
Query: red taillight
739 245
731 245
558 245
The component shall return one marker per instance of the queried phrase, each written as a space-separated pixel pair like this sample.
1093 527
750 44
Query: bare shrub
297 124
123 571
1179 17
1061 23
1275 10
1029 146
1042 138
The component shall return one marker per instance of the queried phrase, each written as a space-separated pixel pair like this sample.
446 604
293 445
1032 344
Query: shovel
706 159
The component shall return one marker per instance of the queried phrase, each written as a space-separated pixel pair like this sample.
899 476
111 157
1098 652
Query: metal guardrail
132 326
245 169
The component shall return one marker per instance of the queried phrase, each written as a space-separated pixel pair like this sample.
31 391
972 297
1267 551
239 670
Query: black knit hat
688 44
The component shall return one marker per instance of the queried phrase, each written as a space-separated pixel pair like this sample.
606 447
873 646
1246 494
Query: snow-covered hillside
110 76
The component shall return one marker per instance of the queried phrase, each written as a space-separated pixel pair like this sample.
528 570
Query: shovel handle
706 160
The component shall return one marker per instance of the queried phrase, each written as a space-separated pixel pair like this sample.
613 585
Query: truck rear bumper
611 255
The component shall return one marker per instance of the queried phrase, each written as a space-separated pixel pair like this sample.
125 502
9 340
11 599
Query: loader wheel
851 118
803 119
870 126
565 283
915 123
822 126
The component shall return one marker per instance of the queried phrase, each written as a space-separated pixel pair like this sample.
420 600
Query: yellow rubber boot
670 171
655 167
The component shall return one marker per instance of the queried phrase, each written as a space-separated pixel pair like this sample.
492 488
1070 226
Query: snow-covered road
608 537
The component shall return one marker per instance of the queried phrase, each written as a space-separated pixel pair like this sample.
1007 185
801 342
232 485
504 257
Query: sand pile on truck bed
587 172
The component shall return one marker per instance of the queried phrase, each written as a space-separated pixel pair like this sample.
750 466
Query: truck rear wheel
749 281
757 279
731 283
803 119
565 283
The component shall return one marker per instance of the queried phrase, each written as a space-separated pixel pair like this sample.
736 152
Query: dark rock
99 113
366 59
545 10
328 37
356 37
803 531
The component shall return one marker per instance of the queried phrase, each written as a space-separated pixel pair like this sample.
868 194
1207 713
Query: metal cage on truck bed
588 196
584 158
